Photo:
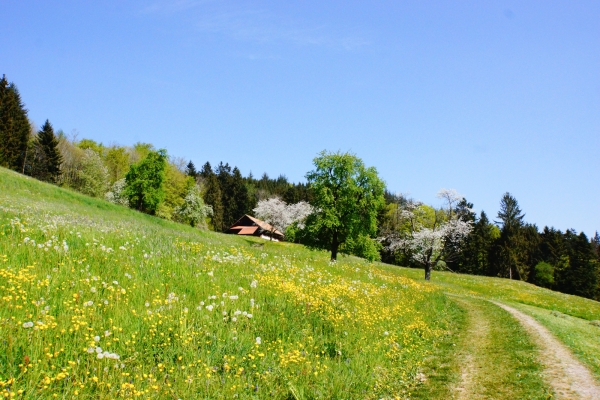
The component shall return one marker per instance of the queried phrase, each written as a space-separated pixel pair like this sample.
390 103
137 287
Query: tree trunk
334 246
427 272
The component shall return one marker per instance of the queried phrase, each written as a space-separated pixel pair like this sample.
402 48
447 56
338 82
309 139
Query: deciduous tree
280 215
347 199
145 180
193 210
431 239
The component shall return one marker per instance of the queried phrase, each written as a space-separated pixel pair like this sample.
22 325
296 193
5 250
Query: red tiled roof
245 230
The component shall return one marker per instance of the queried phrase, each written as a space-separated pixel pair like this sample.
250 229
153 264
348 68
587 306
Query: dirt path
566 375
470 356
494 356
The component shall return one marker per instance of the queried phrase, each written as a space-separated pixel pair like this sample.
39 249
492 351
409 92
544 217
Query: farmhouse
251 226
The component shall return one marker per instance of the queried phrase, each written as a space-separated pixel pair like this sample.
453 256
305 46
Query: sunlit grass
99 301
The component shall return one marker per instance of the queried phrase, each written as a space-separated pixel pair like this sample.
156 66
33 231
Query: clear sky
481 96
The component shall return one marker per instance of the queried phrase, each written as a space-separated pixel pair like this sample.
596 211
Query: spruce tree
206 170
14 127
504 257
212 197
47 165
190 170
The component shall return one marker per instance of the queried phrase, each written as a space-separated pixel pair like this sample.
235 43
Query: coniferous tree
473 259
206 170
212 197
14 127
243 203
223 173
504 258
47 160
190 170
579 273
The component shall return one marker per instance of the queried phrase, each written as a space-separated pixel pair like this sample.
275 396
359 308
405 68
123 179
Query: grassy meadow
99 301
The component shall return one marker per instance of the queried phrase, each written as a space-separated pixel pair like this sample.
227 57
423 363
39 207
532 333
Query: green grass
492 350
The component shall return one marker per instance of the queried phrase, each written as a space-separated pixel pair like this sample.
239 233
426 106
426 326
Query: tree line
343 207
508 247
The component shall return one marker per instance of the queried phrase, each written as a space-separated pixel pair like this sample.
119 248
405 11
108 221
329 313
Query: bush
544 274
363 246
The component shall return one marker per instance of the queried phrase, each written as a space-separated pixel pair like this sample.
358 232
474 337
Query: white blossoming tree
431 236
280 215
193 210
116 194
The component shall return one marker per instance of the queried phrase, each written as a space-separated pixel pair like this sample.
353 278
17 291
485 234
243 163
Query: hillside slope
99 301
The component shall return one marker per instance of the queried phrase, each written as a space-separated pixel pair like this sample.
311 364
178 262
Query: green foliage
473 259
117 162
176 186
544 274
212 197
145 180
235 196
85 144
141 151
364 247
347 197
578 276
14 127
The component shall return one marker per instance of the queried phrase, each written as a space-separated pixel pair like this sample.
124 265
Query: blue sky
483 97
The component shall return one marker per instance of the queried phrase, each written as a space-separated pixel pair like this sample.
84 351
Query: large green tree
14 127
347 199
145 179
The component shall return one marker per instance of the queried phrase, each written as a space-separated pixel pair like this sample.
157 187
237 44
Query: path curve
566 375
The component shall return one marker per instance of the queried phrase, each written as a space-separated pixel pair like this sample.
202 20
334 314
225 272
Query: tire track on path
569 378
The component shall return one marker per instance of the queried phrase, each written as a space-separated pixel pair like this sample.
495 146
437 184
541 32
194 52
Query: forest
393 228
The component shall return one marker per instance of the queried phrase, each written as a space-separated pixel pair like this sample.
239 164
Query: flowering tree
116 194
431 236
193 209
93 178
280 215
